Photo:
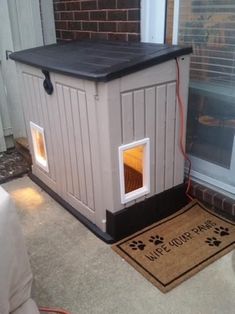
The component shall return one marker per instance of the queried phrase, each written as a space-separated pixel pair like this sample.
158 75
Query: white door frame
22 25
48 22
153 21
2 136
176 22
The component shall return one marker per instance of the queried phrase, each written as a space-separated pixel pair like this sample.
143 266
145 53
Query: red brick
208 196
217 201
106 4
133 15
89 26
81 35
58 34
74 25
88 5
61 25
117 36
99 36
76 19
73 6
81 15
228 205
98 15
134 37
200 191
107 27
117 15
125 4
59 6
66 15
67 35
129 27
57 15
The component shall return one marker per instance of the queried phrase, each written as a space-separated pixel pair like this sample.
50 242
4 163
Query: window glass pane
133 168
209 26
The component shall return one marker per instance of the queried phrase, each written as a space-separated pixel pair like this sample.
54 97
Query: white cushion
15 273
28 307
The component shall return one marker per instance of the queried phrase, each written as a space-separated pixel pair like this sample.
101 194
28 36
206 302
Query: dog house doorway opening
39 146
134 170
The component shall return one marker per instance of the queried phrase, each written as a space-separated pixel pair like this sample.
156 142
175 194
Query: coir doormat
172 250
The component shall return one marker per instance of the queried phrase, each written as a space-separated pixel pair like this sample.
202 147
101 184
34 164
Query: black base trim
93 228
140 215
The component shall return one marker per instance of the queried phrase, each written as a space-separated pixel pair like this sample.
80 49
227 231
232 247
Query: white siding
151 112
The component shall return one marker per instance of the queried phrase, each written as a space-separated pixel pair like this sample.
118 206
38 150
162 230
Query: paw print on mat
156 239
137 245
213 241
222 231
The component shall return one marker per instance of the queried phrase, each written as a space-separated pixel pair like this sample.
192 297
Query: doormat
172 250
12 165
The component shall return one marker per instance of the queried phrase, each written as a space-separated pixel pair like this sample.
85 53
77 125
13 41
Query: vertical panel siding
139 112
75 144
179 159
63 103
86 148
160 138
78 145
111 138
94 140
27 110
71 153
60 162
36 111
152 112
69 122
49 129
127 118
37 100
170 136
34 114
150 105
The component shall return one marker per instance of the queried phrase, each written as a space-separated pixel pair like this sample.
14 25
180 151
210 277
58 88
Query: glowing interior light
39 146
133 168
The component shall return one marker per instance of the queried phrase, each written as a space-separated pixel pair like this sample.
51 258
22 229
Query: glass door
209 26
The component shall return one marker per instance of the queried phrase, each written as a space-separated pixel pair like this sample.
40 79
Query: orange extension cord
182 128
53 310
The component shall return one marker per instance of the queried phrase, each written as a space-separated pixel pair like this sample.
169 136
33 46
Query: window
209 27
39 146
134 170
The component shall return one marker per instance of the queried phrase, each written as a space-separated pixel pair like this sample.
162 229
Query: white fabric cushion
15 273
28 307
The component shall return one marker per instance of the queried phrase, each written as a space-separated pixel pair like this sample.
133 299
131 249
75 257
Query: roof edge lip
108 74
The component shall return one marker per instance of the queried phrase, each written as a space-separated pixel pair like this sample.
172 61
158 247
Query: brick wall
103 19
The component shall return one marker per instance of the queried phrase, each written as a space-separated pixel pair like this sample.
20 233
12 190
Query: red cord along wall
182 127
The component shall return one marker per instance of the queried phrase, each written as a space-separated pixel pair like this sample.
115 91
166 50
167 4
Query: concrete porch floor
75 270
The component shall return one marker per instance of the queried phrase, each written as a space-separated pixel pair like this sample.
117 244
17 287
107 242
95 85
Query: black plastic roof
98 60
